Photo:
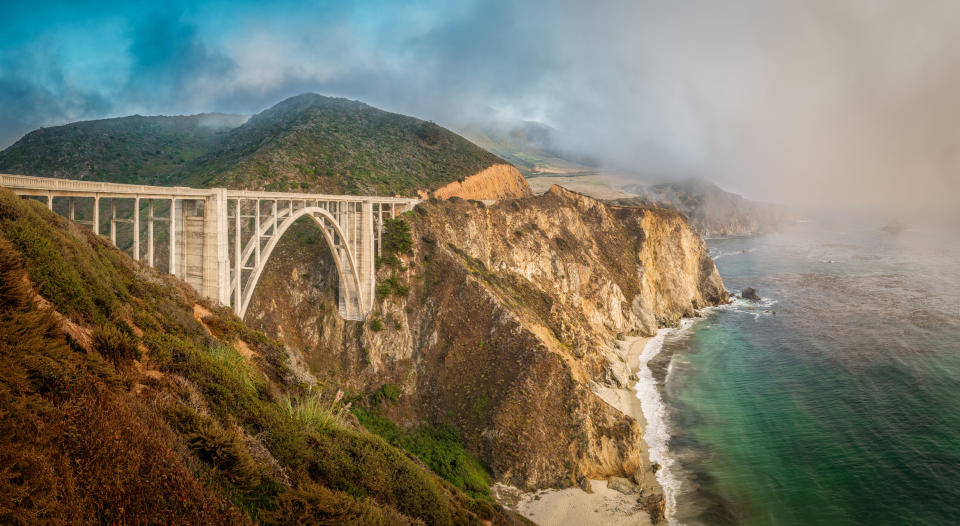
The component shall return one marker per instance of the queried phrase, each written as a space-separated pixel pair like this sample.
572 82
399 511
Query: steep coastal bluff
501 321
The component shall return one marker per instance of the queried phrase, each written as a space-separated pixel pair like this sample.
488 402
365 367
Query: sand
605 506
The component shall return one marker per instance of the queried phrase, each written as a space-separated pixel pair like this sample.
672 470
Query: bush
311 413
392 285
376 325
387 391
222 448
396 237
315 504
439 447
115 345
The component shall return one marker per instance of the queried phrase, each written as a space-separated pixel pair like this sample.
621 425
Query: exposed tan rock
511 321
500 181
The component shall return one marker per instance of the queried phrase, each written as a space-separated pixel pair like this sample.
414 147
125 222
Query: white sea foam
657 433
715 255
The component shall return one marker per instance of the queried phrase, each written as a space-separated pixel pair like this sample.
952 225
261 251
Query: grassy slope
141 150
305 143
117 405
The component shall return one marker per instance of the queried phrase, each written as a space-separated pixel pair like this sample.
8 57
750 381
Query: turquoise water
843 405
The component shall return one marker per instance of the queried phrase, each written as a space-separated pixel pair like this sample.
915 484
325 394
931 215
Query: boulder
584 484
750 293
622 485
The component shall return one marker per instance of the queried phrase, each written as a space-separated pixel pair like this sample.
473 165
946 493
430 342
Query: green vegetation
312 413
376 324
440 447
115 344
387 392
396 241
392 285
305 143
135 149
197 433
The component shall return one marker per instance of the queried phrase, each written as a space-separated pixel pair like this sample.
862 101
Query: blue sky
774 98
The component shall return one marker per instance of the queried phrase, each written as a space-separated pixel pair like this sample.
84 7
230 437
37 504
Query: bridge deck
44 185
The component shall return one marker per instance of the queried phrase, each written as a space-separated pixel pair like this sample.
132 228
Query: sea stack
750 293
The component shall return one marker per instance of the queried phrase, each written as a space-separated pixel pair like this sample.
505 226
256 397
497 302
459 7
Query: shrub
315 504
387 392
362 464
392 285
115 345
222 448
312 413
396 237
439 447
376 325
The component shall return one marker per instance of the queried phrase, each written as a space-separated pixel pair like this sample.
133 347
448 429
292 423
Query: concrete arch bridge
219 240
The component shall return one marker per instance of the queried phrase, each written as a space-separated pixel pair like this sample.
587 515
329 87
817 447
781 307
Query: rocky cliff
500 181
712 211
502 321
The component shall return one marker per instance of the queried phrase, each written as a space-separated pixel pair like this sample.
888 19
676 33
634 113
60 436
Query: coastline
605 504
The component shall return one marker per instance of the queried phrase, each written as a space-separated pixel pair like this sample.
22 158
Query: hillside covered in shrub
305 143
126 399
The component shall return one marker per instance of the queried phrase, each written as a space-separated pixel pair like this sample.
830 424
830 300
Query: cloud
817 102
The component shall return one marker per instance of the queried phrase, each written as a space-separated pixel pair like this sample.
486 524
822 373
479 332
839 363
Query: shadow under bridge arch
352 300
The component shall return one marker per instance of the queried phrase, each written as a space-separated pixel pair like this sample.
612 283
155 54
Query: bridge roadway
219 240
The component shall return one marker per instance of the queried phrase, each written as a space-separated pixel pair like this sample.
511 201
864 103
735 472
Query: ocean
835 400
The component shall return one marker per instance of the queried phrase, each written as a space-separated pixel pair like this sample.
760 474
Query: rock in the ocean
750 293
622 485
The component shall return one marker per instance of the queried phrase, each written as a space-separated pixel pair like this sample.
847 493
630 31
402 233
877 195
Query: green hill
135 149
125 399
305 143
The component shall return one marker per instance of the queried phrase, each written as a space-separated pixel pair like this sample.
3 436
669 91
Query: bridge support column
215 283
136 228
113 221
96 215
150 259
173 237
365 255
237 261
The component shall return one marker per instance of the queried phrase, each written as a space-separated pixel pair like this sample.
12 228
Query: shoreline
605 505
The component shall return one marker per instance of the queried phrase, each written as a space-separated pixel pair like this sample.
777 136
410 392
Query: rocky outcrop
500 181
750 293
712 211
510 319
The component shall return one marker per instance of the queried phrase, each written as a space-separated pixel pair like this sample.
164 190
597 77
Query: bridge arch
350 291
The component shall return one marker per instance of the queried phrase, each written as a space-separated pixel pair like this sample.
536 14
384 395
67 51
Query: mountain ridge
308 142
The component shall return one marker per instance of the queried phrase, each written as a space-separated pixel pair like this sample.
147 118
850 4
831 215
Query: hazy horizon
812 104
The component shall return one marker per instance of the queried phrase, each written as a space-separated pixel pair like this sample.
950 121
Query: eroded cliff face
500 181
508 327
